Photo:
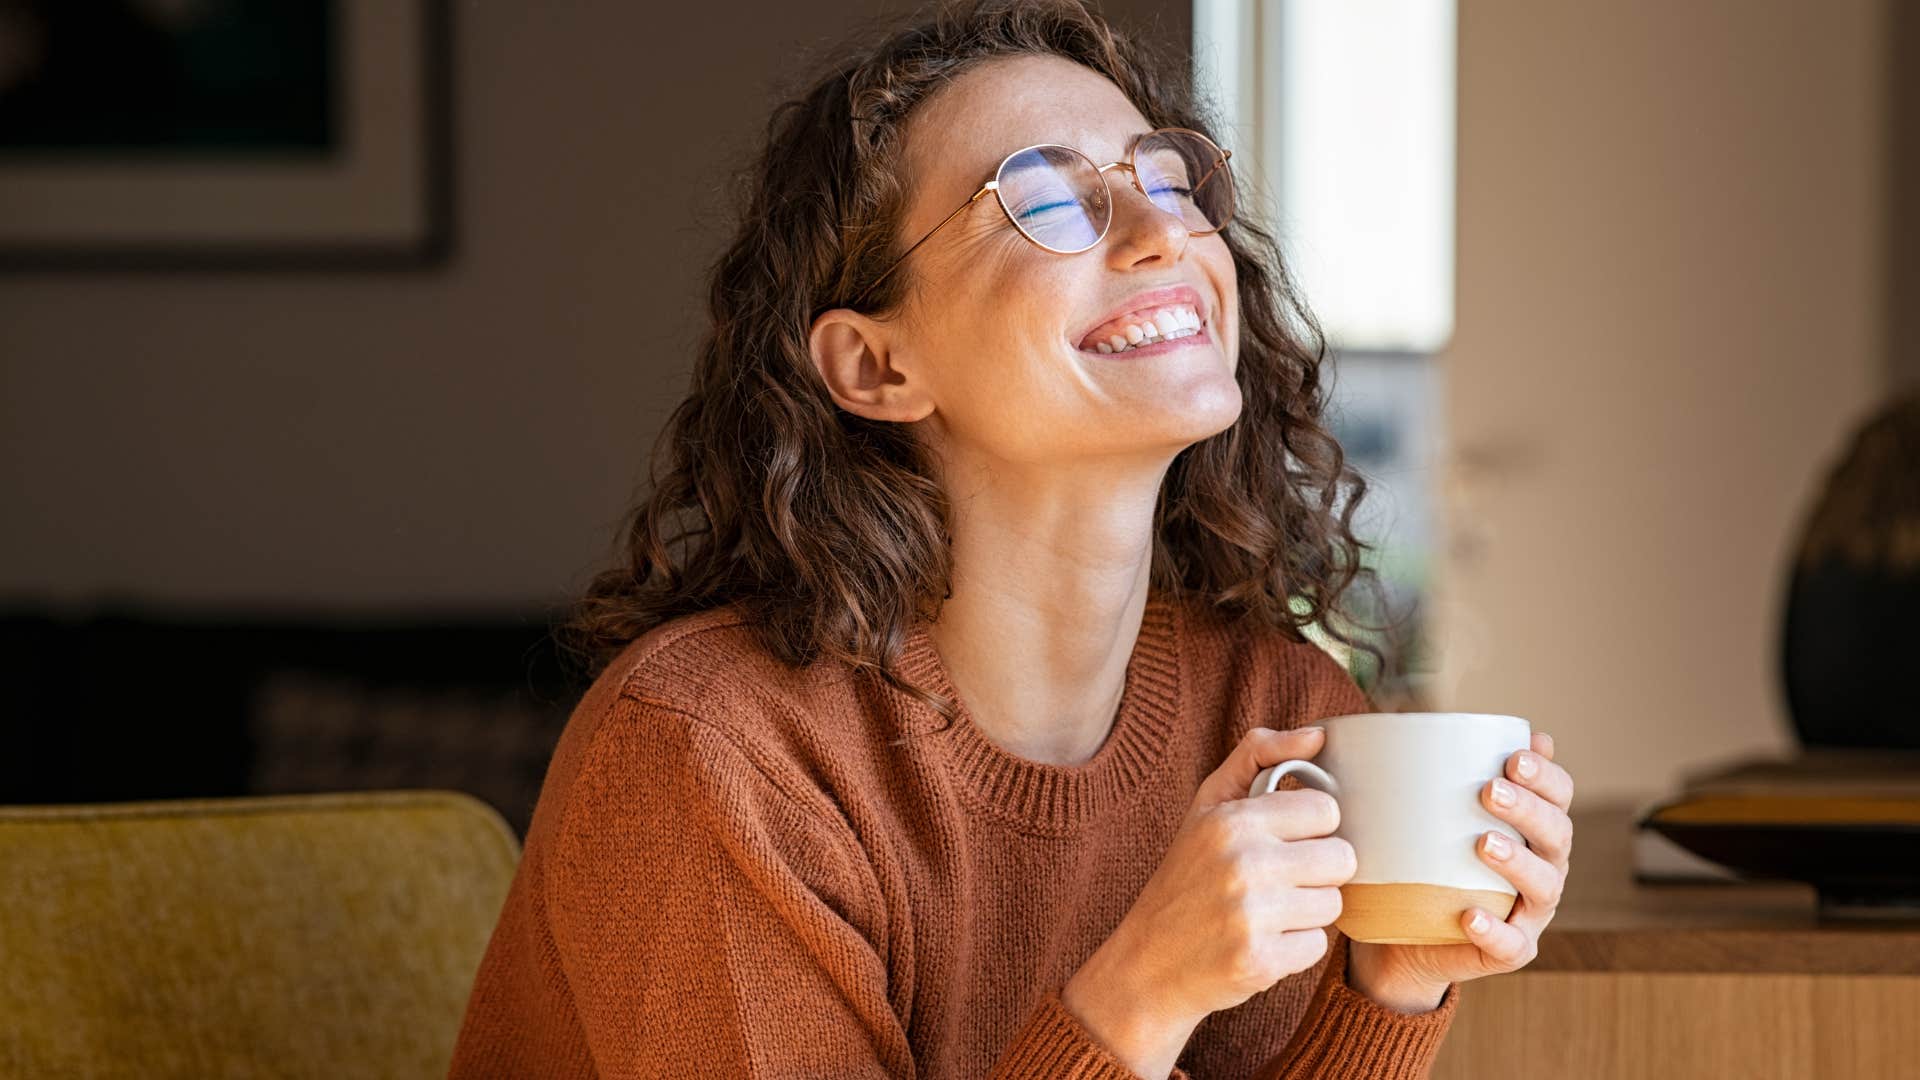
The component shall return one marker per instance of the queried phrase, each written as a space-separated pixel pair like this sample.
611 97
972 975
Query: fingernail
1502 793
1527 766
1497 845
1479 921
1549 739
1311 727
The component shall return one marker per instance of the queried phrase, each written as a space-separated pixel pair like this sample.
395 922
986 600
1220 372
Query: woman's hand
1413 977
1240 900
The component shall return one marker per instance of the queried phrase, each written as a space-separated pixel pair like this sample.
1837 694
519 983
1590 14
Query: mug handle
1310 774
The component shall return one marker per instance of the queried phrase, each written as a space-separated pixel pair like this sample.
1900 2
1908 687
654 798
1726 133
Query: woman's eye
1034 210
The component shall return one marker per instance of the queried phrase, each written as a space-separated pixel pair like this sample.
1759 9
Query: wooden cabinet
1697 980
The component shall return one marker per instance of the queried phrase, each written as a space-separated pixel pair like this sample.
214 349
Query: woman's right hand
1240 901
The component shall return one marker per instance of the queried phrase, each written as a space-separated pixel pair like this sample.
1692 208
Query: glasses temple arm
984 188
1224 155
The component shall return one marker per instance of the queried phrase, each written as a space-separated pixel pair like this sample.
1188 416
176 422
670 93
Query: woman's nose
1141 229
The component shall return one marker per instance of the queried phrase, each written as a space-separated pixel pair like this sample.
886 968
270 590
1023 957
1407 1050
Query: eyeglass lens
1056 195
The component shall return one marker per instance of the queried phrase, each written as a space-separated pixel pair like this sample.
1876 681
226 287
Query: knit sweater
737 867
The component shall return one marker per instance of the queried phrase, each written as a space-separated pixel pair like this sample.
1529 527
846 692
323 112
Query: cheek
1010 337
990 371
1005 374
1012 388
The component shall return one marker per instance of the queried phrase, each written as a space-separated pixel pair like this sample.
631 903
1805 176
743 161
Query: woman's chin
1205 424
1204 405
1180 420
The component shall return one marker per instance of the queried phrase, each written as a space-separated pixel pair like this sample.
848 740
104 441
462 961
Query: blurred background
333 335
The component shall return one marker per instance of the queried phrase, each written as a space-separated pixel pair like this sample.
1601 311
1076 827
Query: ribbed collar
1058 799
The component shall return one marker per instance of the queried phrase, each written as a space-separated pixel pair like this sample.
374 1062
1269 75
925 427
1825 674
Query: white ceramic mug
1408 785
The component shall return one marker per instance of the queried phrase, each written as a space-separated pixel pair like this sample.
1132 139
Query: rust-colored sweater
740 868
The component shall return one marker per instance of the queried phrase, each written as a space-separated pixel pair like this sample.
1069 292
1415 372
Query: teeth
1163 325
1182 332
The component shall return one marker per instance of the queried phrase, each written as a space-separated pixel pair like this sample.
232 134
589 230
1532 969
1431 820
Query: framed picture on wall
224 133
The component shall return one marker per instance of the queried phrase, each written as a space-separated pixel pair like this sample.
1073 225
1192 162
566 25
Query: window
1343 111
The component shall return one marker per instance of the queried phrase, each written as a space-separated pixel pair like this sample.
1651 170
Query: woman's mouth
1145 332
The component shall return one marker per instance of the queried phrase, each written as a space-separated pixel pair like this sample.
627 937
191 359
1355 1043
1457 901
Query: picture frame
350 166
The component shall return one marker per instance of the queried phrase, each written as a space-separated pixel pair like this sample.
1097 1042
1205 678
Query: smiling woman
969 600
838 570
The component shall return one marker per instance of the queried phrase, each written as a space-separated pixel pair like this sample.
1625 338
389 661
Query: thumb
1258 749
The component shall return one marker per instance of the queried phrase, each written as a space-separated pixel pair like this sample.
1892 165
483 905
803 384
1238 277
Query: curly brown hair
828 529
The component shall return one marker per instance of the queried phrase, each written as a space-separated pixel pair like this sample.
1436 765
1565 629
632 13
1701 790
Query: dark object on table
1852 628
1846 821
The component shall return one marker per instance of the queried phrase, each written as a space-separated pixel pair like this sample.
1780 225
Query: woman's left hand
1414 976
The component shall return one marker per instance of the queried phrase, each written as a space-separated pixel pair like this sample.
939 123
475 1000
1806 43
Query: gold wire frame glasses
1060 200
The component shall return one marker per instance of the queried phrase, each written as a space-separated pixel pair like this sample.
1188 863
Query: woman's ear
852 354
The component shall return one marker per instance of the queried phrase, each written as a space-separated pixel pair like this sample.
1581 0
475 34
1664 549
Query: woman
941 659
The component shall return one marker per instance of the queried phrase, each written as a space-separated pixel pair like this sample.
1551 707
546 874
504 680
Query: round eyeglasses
1059 199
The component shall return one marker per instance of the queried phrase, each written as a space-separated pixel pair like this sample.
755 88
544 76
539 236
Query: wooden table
1691 980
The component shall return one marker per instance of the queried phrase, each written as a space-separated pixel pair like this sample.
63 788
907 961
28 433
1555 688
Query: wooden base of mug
1413 913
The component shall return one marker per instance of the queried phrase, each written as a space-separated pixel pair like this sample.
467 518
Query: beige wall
463 439
1903 177
1670 316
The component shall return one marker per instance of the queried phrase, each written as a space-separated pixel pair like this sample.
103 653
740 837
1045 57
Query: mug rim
1453 715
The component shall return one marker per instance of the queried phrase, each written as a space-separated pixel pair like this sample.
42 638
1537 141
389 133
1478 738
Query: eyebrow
1034 164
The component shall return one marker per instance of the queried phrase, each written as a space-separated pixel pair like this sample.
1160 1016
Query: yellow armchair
320 935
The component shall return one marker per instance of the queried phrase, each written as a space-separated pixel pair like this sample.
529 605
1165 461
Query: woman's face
995 349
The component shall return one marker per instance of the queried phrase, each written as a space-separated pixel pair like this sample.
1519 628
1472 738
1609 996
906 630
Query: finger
1271 746
1552 782
1505 945
1301 814
1256 750
1543 744
1539 881
1545 827
1530 920
1305 907
1325 860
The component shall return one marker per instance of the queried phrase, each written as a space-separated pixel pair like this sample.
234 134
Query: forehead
1000 105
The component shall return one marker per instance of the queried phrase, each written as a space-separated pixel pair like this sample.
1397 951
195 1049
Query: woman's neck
1050 580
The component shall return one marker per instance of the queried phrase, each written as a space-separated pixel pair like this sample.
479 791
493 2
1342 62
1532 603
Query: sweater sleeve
714 920
1053 1043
